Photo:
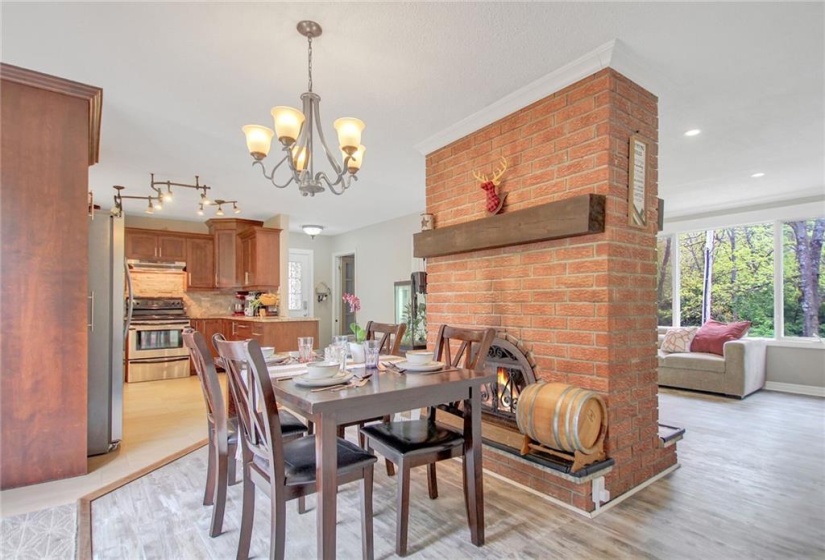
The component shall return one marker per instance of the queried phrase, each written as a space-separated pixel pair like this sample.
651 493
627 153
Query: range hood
153 266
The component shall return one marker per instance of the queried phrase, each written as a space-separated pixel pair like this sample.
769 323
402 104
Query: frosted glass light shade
288 122
349 133
354 164
312 231
258 140
300 158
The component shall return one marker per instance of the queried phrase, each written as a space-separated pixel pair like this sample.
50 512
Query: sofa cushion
697 361
712 336
678 339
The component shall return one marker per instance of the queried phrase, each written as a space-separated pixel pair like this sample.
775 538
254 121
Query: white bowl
420 356
267 351
320 370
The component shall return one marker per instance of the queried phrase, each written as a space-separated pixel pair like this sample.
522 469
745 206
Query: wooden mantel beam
571 217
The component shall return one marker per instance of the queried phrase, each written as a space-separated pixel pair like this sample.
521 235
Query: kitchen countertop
261 319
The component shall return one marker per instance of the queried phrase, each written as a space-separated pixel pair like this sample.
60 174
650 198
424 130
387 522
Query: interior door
347 287
299 299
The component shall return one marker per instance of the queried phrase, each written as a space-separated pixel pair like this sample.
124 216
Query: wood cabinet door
172 247
241 330
248 260
200 262
225 259
267 258
141 245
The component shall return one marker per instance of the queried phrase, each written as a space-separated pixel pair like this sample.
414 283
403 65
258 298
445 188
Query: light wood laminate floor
750 486
159 419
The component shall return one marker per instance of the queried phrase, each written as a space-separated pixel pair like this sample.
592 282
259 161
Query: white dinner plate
304 381
428 367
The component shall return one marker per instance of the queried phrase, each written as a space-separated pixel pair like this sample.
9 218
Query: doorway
299 300
344 284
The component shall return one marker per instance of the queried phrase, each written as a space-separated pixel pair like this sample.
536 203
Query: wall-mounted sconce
312 231
322 292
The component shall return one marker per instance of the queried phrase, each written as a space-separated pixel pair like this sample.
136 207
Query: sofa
738 373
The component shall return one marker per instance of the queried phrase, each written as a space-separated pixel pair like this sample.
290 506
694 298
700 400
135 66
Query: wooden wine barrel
562 416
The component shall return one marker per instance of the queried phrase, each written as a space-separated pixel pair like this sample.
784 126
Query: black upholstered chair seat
290 423
299 459
408 437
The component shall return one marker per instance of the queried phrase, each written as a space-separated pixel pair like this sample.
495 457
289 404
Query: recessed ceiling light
693 132
758 175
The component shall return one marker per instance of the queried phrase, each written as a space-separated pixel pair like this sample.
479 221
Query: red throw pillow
712 336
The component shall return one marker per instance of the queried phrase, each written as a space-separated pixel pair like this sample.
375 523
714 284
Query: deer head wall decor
490 186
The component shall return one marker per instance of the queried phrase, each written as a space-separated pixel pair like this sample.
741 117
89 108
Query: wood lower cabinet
208 327
283 335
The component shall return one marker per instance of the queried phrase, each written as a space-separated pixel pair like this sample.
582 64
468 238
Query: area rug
45 534
83 549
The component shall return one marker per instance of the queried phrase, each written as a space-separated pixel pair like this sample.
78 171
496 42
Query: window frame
778 277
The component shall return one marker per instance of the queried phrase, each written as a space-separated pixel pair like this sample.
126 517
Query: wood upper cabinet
233 258
261 258
155 245
200 262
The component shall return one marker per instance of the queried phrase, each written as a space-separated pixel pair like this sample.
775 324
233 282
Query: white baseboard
795 389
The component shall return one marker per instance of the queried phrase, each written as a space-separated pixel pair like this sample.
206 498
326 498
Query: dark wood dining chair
221 429
413 443
283 469
390 336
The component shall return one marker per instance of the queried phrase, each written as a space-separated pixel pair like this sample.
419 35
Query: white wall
800 364
322 272
383 256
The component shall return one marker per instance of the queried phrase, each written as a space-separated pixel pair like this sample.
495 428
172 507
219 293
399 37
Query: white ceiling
180 80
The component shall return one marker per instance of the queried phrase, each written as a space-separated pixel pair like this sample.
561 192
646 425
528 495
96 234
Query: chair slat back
254 398
208 377
473 346
390 335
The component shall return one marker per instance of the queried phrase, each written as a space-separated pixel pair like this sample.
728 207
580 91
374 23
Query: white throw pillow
678 339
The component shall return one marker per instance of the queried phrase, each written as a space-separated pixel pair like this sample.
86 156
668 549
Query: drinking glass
305 353
341 343
371 349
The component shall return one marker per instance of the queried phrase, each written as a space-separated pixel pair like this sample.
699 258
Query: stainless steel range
154 342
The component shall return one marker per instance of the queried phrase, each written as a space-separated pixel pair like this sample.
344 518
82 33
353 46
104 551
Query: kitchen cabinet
51 135
283 335
208 327
261 258
200 262
155 245
247 255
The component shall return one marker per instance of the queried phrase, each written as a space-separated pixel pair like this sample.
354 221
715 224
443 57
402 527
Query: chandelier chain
309 62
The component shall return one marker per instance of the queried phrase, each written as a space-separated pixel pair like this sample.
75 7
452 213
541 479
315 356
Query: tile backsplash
158 284
208 304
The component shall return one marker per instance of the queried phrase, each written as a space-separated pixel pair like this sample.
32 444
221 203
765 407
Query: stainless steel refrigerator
106 332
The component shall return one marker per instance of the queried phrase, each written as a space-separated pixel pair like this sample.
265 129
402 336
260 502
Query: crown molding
93 95
597 59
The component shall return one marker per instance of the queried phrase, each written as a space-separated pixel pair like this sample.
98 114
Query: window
802 280
296 299
728 274
664 284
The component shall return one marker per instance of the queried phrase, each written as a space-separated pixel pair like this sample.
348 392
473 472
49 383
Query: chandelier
299 132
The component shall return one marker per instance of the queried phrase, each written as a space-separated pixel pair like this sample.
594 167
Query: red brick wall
586 306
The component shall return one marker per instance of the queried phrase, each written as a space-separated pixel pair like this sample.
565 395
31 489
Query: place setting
416 361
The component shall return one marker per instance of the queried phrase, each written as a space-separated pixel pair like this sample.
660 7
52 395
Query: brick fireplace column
585 307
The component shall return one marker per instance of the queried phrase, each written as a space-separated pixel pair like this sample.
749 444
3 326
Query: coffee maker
239 304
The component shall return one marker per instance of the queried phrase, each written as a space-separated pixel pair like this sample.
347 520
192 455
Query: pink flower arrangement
355 305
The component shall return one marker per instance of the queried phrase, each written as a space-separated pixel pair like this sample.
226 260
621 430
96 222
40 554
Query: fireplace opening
514 372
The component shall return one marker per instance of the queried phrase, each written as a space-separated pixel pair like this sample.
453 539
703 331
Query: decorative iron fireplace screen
514 372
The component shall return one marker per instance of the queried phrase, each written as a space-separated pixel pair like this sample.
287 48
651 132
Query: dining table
387 391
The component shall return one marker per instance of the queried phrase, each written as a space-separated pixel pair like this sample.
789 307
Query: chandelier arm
344 181
330 157
271 175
